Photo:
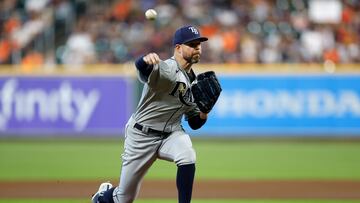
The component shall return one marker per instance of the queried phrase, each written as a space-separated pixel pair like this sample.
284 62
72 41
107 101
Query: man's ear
178 48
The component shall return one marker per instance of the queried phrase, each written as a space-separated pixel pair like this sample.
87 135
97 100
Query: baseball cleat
102 189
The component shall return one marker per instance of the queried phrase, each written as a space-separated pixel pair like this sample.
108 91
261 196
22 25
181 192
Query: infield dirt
204 189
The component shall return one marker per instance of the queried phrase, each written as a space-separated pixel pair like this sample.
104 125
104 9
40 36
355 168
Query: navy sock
184 182
107 197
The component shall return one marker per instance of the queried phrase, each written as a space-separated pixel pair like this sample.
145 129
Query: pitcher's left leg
184 182
178 148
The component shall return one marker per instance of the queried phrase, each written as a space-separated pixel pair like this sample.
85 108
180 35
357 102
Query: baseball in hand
150 14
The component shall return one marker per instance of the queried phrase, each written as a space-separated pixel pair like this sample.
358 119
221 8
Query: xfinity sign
64 105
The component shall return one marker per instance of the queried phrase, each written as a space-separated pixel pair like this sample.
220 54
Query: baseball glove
206 90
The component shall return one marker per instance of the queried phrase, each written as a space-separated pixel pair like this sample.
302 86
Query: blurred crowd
79 32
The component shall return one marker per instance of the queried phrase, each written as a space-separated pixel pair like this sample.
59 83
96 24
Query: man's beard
193 59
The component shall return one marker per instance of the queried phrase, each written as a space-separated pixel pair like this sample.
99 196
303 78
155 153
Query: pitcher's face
191 51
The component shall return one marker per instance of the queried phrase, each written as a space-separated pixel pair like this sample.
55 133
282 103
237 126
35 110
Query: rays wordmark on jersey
180 90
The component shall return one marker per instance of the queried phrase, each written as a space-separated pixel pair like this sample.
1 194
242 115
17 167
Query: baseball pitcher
171 90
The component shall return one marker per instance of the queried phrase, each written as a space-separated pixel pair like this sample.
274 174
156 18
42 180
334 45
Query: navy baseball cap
187 34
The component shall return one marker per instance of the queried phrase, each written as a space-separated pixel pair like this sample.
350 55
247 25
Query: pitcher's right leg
140 152
130 181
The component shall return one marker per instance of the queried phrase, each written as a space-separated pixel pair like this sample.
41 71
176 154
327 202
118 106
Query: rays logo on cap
187 34
194 30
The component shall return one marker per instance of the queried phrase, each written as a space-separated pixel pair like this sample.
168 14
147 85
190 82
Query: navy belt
150 130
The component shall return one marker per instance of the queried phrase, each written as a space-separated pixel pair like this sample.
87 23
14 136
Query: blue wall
306 105
266 105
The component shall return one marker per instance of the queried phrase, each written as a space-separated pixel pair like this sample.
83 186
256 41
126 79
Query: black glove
206 90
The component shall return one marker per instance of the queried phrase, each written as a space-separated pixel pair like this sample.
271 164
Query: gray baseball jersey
154 130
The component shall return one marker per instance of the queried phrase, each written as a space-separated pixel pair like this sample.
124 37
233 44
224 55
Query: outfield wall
287 105
65 105
257 100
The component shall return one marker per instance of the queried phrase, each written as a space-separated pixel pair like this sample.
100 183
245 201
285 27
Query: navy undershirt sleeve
143 67
196 122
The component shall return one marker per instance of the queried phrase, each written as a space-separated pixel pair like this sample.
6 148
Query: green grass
174 201
279 160
65 159
59 159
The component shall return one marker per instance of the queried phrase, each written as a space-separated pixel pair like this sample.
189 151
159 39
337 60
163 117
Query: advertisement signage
64 105
310 105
